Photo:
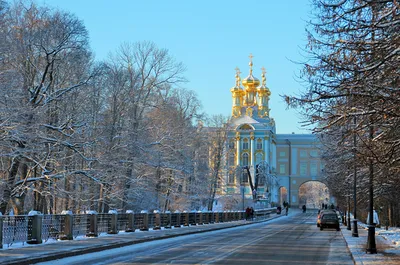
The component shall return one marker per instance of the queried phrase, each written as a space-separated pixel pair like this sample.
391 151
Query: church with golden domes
261 165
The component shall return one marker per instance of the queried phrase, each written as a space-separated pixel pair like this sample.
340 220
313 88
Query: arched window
245 144
231 160
231 177
231 145
245 159
259 144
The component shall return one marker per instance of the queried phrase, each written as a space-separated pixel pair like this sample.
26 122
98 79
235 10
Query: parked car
329 220
322 212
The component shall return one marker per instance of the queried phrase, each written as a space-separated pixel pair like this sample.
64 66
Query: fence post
130 225
178 219
169 218
67 233
36 222
157 225
1 230
113 227
200 213
192 221
145 226
92 231
206 217
186 216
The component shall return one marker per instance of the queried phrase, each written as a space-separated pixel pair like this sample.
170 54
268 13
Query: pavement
387 252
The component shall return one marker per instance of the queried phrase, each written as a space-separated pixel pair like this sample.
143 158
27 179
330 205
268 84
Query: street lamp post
290 169
242 192
355 229
371 244
348 215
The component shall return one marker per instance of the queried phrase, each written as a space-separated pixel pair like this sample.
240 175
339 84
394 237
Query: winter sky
211 38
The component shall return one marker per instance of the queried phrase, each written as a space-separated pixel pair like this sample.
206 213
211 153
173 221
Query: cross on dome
251 57
237 76
251 63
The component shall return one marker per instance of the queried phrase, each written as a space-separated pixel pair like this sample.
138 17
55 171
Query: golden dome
237 78
263 88
250 80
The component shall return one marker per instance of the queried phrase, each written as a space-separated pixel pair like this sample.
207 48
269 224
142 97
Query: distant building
278 163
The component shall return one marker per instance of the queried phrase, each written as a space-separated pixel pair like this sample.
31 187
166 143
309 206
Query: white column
266 149
238 150
252 150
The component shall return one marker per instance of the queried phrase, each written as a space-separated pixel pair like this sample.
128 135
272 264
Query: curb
356 259
347 245
97 248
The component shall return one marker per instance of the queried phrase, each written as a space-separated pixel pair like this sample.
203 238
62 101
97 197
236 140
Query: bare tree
217 137
352 74
140 73
46 50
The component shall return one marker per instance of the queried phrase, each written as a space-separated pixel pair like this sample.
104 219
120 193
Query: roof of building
256 123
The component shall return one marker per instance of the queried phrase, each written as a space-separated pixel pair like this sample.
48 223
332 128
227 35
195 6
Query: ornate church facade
260 164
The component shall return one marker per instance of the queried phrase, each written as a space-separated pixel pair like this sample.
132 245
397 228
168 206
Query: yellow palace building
260 164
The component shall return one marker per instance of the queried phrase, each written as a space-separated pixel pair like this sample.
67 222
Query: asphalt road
287 240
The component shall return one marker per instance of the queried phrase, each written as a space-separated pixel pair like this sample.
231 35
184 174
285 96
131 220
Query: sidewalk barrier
130 226
206 216
199 218
166 220
216 217
67 231
113 223
192 218
36 227
92 224
145 221
157 220
185 216
176 219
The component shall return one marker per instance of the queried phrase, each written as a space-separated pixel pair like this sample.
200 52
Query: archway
313 194
283 195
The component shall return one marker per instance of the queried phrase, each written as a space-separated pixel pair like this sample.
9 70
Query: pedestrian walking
375 218
248 213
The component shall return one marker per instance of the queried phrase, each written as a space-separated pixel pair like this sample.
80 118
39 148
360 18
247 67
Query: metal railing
36 228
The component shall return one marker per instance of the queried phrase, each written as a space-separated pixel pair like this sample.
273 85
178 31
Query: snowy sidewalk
388 252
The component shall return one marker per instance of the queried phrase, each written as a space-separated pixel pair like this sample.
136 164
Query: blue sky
211 38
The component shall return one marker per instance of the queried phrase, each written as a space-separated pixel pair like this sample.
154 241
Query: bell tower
251 138
237 96
263 97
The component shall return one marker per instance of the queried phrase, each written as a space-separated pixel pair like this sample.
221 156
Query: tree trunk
128 179
107 199
100 207
18 204
10 182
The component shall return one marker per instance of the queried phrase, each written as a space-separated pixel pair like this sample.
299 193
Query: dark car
322 212
329 220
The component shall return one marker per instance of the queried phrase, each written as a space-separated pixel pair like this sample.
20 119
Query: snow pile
392 234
